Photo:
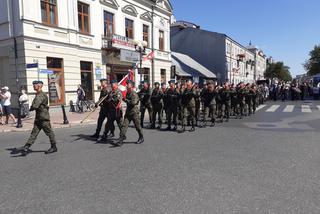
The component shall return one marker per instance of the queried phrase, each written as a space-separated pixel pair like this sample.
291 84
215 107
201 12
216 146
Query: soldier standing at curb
145 103
157 105
132 114
103 108
42 120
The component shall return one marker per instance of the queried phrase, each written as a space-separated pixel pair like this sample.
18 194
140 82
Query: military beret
103 79
209 82
130 82
113 81
171 81
156 83
37 82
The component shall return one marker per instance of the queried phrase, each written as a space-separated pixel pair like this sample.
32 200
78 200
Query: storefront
56 86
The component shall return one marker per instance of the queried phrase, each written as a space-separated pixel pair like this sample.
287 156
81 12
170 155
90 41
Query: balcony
117 42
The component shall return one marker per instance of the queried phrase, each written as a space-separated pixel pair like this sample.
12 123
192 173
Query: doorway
86 79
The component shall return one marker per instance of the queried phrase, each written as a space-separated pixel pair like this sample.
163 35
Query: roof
186 66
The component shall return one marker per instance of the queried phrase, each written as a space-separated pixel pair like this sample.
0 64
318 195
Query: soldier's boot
204 124
168 128
96 135
183 129
140 140
159 126
24 149
104 137
111 134
213 122
174 128
192 128
52 149
119 143
153 126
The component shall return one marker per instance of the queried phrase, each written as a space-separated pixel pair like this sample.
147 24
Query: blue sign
45 71
32 65
98 71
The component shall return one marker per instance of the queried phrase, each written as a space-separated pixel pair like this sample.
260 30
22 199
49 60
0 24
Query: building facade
81 41
230 60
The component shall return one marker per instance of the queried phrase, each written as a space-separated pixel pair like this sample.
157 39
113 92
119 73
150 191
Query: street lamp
140 47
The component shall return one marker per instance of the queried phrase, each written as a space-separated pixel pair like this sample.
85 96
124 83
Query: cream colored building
81 41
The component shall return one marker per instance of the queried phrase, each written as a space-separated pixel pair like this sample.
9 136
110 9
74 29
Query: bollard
19 122
65 119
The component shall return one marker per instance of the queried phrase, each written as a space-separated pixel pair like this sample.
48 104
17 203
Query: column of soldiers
179 105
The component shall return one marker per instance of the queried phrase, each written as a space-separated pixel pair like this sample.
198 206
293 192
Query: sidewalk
74 119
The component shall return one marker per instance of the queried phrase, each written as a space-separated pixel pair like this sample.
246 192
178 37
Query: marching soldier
103 107
42 120
114 112
132 114
225 94
165 103
248 98
172 97
179 108
145 102
197 99
157 105
208 96
241 100
188 106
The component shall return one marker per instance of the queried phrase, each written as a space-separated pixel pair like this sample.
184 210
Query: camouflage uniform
188 106
209 105
225 94
42 119
145 103
172 97
157 106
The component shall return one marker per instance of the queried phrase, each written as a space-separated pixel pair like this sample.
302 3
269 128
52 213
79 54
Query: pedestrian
80 98
24 103
1 113
103 107
5 96
114 112
145 102
40 104
132 114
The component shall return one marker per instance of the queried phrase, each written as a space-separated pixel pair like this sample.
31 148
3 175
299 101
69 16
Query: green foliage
312 65
278 70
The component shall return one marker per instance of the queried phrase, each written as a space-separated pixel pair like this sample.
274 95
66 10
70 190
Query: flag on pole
123 83
150 56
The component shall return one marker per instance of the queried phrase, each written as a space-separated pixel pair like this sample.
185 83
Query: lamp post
141 48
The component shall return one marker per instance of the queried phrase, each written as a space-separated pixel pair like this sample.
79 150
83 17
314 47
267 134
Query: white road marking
262 106
273 108
306 109
288 108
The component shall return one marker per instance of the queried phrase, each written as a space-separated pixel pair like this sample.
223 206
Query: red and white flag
123 83
150 56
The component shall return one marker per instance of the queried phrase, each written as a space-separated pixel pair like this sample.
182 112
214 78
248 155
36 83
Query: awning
186 66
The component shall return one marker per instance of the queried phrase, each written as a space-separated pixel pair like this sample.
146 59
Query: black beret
171 81
113 81
130 81
156 83
103 79
37 82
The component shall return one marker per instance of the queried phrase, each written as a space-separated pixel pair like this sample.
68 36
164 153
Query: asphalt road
267 163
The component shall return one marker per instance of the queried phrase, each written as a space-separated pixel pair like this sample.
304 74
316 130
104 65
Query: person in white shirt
24 103
1 113
5 96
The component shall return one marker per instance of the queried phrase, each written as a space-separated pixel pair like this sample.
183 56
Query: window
146 33
86 79
49 12
163 75
83 17
161 40
108 24
129 28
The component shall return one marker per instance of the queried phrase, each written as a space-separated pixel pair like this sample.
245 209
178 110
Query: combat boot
183 129
119 143
159 126
140 140
213 122
24 149
192 129
96 136
168 128
52 149
111 134
104 137
174 128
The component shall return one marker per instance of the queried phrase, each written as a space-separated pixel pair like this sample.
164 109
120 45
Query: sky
285 29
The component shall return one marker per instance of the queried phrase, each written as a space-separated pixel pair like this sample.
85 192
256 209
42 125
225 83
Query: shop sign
122 42
129 56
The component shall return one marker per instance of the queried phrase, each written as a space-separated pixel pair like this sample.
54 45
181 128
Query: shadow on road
14 152
82 137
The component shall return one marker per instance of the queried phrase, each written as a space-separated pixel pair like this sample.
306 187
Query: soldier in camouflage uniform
145 102
249 98
197 99
103 108
132 114
157 105
225 94
42 120
188 106
208 96
234 99
165 103
172 96
179 108
242 108
114 112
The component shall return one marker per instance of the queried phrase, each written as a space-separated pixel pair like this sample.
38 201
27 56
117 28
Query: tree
278 70
312 65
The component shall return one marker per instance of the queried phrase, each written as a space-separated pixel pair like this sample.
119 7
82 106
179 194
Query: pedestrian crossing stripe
262 106
273 108
288 108
306 109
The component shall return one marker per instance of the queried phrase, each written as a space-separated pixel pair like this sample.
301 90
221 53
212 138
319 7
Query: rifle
97 104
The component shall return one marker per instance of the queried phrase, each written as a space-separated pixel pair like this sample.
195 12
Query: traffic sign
45 71
32 65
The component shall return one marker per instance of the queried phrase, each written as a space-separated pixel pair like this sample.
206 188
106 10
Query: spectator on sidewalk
24 103
5 96
1 113
80 98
